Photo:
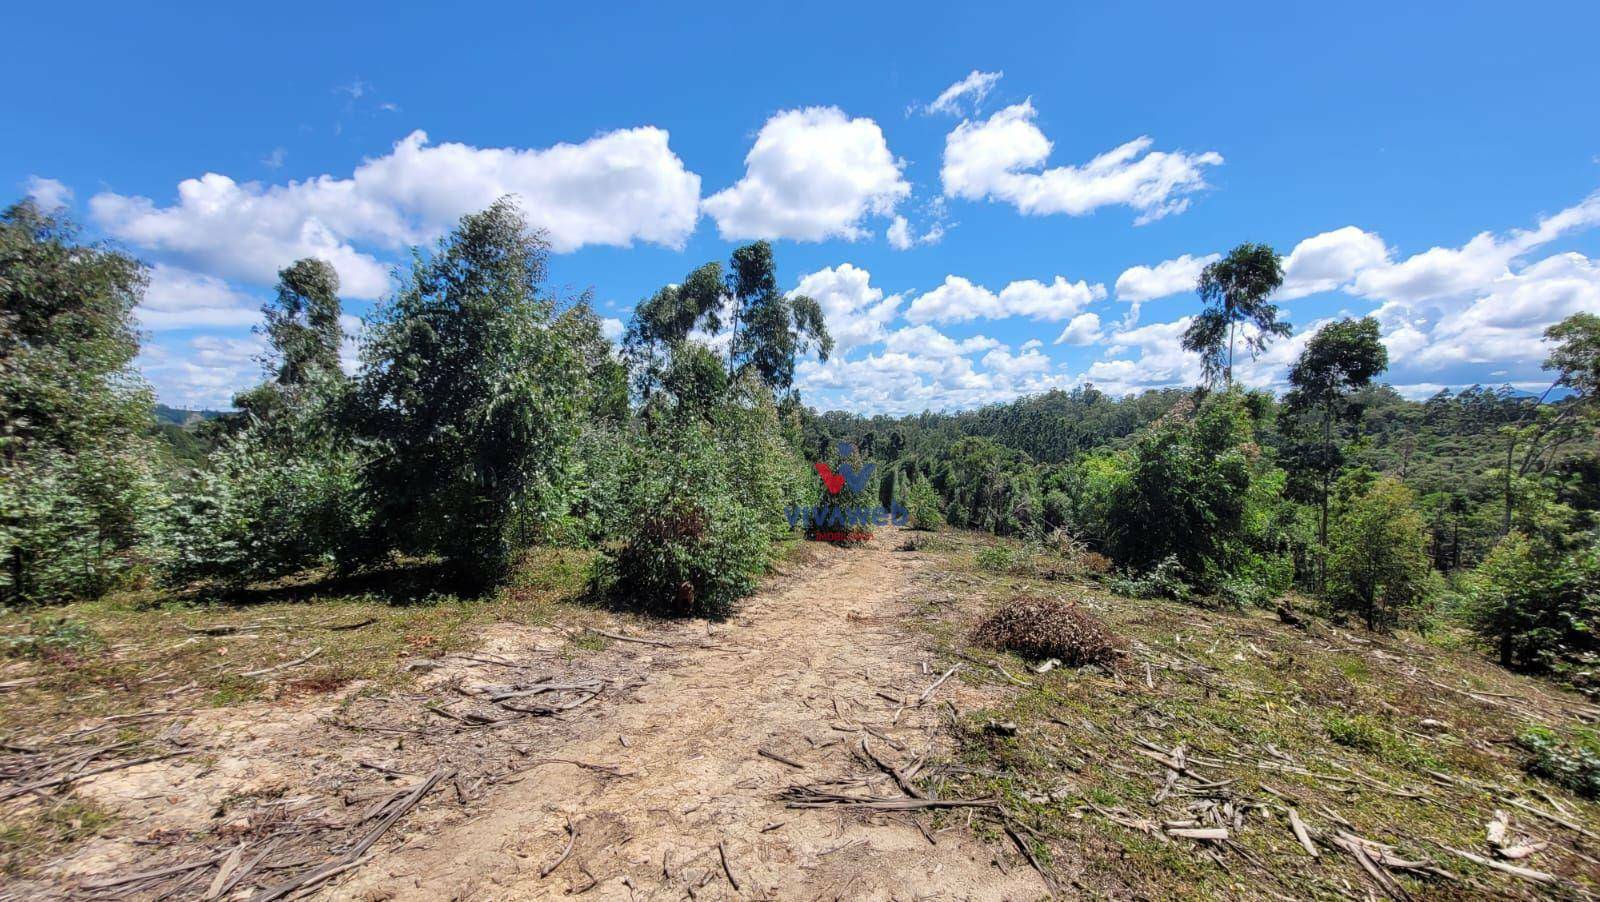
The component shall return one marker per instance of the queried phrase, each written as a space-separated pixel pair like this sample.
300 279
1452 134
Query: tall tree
302 322
1340 359
1546 428
304 335
1235 290
771 329
768 329
74 463
468 403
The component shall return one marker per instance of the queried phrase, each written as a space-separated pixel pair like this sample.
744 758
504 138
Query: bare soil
643 790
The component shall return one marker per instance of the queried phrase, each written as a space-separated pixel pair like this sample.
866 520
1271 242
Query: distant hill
177 416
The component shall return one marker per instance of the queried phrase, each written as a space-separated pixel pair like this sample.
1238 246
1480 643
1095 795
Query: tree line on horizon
490 415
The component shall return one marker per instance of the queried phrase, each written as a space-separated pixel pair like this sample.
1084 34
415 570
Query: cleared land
816 746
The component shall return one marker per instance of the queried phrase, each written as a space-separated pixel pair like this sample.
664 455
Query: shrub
703 500
1050 628
922 504
278 495
997 558
1573 765
1539 606
1380 566
694 560
51 638
1164 580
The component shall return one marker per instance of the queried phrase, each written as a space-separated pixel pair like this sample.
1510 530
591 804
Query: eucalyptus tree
304 336
1235 290
1545 428
1342 358
75 479
767 330
468 404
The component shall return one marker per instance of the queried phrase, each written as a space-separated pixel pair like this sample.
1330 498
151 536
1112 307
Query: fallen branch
73 777
1525 873
159 872
928 693
354 856
284 666
639 639
808 797
767 753
727 868
1299 828
572 840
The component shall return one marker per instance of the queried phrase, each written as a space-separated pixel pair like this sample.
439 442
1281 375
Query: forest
489 415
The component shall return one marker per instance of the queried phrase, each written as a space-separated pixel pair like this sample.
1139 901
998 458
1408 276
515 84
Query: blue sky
1436 168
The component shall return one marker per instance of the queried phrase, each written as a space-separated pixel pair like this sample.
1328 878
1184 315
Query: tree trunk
1511 445
1227 374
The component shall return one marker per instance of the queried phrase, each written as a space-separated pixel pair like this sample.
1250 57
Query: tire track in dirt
829 633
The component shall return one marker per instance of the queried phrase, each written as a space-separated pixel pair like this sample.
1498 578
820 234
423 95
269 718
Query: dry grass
1391 738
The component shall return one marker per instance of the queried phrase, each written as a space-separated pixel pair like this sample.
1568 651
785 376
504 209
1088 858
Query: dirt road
801 672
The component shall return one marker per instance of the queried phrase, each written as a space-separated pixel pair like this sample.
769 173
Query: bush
1539 606
275 498
1573 765
1164 580
1050 628
1380 567
704 498
922 504
997 558
52 638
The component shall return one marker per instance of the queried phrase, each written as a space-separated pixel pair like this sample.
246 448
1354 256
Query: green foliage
467 407
989 487
923 506
704 500
1164 580
1366 734
1195 490
302 322
844 513
1574 765
1235 291
52 637
1538 605
76 466
1379 566
274 498
996 558
769 328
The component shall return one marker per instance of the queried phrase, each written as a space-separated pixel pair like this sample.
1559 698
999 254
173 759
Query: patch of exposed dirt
653 754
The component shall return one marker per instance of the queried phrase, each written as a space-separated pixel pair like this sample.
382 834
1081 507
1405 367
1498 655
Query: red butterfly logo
832 480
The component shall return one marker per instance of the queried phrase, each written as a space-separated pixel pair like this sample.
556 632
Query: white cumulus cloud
1084 329
179 299
855 310
613 189
1169 277
48 194
959 299
812 174
1003 158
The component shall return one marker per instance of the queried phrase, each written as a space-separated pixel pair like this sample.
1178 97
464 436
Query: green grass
127 650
